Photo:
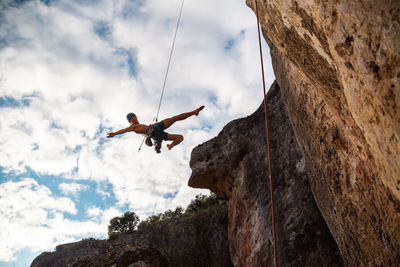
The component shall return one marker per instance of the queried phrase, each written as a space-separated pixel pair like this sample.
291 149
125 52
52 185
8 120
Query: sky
71 70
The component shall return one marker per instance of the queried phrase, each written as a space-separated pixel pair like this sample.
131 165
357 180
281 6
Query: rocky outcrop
196 237
234 166
338 65
83 253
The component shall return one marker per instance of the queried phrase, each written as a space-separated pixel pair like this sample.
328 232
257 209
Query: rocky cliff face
338 65
99 253
196 237
234 166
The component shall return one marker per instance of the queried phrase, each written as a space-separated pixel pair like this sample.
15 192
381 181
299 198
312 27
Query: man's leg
168 122
175 138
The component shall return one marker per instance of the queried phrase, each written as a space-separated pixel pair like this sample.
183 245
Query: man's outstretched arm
122 131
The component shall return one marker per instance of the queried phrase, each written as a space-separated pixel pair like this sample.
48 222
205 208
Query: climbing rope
166 72
271 185
169 60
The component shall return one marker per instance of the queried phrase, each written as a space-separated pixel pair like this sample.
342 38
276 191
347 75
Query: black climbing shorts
158 132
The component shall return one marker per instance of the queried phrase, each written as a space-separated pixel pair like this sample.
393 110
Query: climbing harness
149 132
148 141
148 137
271 187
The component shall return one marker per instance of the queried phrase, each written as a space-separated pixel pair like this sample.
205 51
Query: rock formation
196 237
338 66
234 166
71 254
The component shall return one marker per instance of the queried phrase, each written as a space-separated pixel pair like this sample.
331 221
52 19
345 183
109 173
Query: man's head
131 117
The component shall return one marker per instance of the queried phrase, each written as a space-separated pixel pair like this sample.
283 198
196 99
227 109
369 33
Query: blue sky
70 71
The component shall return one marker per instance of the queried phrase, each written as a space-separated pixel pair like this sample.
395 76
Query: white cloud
80 82
79 86
72 188
93 211
33 217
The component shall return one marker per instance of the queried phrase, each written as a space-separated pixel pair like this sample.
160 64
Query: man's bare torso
139 128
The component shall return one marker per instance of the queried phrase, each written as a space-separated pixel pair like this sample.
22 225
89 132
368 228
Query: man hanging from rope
156 131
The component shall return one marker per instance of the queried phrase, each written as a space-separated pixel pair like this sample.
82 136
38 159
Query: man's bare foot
197 111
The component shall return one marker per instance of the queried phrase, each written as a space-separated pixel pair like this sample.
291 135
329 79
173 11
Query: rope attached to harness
147 137
271 187
169 60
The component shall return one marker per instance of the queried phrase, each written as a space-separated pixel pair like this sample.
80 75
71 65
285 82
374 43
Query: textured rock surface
338 65
190 239
84 253
234 166
141 257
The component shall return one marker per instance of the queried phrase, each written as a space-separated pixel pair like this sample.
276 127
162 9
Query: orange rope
271 187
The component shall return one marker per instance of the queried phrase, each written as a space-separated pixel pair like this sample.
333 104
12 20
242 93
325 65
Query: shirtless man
158 133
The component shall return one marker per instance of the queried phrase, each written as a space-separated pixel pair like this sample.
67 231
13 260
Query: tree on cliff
123 224
201 208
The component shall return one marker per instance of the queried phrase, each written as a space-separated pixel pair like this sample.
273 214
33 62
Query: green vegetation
199 207
125 224
195 236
